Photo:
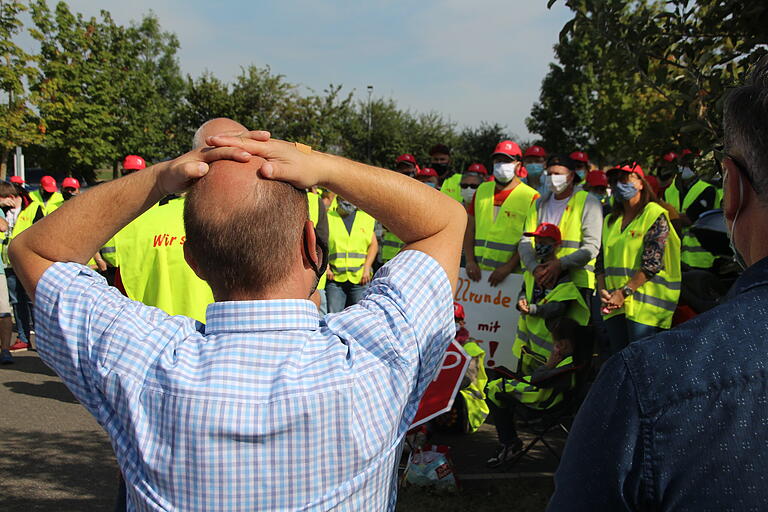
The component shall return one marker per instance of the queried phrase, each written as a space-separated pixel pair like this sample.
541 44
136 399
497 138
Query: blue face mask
625 191
534 170
581 173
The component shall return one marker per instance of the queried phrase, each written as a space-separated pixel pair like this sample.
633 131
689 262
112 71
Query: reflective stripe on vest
655 301
527 393
533 341
452 187
496 239
391 246
152 265
349 250
571 230
314 215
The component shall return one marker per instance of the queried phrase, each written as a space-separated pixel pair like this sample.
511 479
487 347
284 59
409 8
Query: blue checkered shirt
267 407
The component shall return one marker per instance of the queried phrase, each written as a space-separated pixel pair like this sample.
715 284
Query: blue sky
470 61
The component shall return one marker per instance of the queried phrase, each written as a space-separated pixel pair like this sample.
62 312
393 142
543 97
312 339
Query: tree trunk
4 154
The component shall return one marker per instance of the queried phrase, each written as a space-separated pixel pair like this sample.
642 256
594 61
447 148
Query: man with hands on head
314 409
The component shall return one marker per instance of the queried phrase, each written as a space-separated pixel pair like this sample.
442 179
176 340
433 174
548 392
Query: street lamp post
370 121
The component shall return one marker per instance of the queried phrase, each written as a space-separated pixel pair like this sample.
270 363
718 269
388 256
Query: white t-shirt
553 209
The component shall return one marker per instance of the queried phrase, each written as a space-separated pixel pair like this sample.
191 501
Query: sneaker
20 345
507 453
6 357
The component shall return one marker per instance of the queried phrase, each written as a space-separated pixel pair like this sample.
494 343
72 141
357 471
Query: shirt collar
261 315
755 275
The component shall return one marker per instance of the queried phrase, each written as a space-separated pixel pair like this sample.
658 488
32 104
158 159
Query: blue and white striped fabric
269 407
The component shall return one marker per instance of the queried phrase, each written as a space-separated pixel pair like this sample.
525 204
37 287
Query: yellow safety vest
314 216
533 341
152 265
570 229
654 302
529 394
496 239
474 394
391 246
693 254
53 202
452 187
349 251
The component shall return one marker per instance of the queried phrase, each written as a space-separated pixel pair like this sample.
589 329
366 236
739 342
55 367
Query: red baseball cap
579 156
458 311
406 157
597 178
633 167
508 148
70 183
547 230
48 184
536 151
134 162
17 180
477 169
426 171
669 157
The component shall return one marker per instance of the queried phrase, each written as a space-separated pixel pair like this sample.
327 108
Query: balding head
215 126
244 233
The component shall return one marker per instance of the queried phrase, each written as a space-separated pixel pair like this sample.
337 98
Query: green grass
520 495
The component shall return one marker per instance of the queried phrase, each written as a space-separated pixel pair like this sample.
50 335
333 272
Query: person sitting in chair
545 388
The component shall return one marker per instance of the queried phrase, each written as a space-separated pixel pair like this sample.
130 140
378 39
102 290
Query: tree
19 125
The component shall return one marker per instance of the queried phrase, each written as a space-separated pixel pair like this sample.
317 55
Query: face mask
686 173
430 184
440 168
467 194
458 326
504 172
67 195
543 252
534 170
581 173
625 191
737 257
543 188
557 182
345 207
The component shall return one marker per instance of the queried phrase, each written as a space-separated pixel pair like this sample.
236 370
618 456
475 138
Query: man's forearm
469 240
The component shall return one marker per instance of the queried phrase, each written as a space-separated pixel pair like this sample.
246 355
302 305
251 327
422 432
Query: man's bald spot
215 126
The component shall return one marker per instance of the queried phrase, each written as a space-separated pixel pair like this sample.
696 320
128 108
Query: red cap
458 311
653 181
597 178
427 171
547 230
48 184
633 167
134 162
509 148
689 152
17 180
70 183
406 157
536 151
579 156
477 169
669 157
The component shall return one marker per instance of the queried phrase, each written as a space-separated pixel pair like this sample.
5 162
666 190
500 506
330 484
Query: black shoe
507 453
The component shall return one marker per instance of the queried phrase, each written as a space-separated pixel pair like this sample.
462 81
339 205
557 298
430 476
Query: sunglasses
470 185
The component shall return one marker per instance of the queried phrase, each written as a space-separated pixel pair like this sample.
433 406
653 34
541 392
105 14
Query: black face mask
323 255
440 168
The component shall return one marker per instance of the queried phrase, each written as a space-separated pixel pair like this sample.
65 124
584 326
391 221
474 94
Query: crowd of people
601 253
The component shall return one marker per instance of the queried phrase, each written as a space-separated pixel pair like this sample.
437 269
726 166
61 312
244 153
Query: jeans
504 421
323 302
622 332
21 305
343 295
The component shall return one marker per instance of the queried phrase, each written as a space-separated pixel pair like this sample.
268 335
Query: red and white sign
491 315
439 396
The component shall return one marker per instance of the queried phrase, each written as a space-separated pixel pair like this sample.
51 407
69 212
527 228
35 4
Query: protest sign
439 396
491 315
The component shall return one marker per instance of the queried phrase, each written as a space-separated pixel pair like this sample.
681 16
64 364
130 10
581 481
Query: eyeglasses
470 185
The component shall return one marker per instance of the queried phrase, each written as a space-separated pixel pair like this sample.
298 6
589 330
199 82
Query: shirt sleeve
404 319
602 465
86 329
654 244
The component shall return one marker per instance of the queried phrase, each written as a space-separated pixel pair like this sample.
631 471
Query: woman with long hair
638 269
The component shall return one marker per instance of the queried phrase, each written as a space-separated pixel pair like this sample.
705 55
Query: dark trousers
22 306
504 420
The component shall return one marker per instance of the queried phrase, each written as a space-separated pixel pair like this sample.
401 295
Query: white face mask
467 194
557 182
504 172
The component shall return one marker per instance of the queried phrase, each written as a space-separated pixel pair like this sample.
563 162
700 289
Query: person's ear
192 263
309 254
734 190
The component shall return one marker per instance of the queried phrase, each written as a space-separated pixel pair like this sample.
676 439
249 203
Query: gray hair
745 122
